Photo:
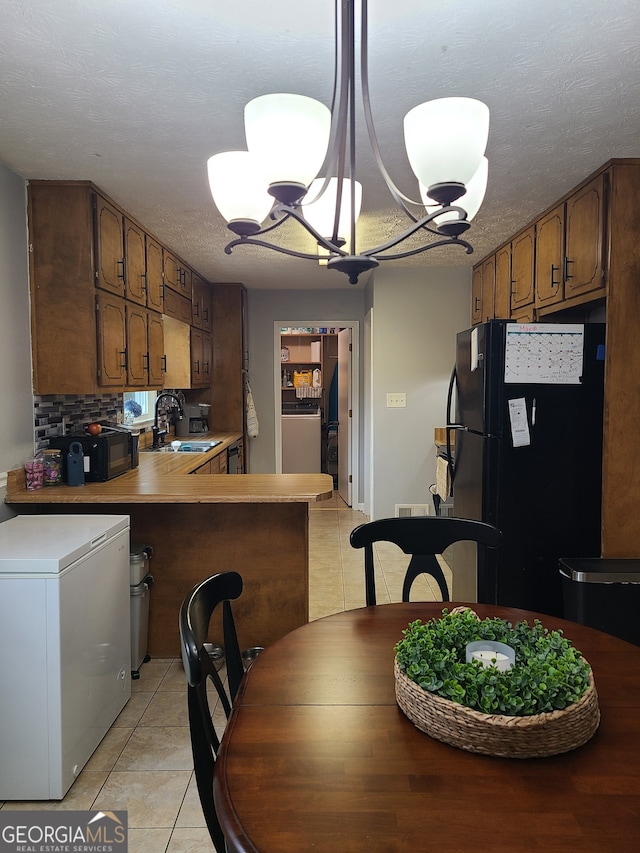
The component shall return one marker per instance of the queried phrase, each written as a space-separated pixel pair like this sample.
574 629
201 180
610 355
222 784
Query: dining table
317 755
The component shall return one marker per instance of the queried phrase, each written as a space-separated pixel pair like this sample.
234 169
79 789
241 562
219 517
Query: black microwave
106 455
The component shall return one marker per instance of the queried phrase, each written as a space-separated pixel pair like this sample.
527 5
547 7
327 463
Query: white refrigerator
65 650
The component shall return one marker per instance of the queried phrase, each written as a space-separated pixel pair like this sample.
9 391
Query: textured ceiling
135 95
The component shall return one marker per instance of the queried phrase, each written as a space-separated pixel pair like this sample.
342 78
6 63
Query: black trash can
603 594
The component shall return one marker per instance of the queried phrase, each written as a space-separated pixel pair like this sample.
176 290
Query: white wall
413 322
16 413
408 322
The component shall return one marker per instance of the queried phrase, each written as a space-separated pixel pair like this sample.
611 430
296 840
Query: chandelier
290 137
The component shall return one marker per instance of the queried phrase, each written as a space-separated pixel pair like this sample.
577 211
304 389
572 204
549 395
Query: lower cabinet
217 465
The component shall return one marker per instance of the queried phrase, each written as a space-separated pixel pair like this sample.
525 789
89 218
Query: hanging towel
443 480
252 417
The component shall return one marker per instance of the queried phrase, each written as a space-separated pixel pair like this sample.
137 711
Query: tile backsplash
50 412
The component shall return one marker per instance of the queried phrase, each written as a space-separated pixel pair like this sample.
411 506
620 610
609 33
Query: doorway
335 392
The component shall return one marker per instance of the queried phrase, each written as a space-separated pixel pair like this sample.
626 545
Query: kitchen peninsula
255 524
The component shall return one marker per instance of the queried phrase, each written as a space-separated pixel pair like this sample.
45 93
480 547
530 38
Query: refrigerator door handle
451 426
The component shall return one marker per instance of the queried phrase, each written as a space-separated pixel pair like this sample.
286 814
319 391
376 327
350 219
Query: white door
344 416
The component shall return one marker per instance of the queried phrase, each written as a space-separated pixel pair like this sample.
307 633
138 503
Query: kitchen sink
185 447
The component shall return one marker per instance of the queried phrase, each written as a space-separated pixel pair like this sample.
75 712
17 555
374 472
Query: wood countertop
168 478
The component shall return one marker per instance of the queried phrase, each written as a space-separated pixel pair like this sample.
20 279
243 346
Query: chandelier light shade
288 136
445 140
239 191
292 138
320 212
471 200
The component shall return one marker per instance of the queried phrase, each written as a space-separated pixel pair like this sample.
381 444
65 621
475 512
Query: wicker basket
534 736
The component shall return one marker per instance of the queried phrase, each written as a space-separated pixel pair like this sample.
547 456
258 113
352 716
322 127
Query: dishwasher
65 651
301 438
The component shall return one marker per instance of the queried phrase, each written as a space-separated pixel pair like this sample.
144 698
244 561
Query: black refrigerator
528 402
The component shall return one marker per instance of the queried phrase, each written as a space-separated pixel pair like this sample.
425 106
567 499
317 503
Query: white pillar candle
491 653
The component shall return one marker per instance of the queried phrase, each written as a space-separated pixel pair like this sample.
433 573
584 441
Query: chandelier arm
287 213
448 241
420 224
250 241
399 197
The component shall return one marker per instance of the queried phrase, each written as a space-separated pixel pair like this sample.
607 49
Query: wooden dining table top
317 756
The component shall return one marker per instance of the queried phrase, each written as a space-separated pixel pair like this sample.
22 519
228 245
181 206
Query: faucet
158 432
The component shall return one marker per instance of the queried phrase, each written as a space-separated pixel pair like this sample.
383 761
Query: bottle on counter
52 467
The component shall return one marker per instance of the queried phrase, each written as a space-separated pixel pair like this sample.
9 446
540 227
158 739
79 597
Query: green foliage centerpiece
545 704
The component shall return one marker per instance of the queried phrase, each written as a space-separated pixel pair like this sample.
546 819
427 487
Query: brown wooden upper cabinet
135 265
130 344
200 358
109 247
502 299
177 275
570 248
585 238
476 295
522 269
550 258
488 288
200 304
155 280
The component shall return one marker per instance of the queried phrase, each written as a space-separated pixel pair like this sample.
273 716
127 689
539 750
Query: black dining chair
423 538
200 669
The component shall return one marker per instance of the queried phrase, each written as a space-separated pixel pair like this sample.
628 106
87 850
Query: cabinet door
197 367
585 236
476 295
522 258
109 247
154 275
200 303
502 306
186 285
157 360
137 350
206 359
135 263
549 257
112 348
172 272
177 306
205 302
196 301
488 288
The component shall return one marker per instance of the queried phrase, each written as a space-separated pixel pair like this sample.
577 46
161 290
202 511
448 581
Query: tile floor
144 764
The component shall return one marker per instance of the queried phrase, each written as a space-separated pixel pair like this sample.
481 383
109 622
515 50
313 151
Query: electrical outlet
396 401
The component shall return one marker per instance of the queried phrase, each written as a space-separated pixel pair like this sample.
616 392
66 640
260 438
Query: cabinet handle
206 368
163 363
145 283
124 364
121 274
554 270
567 261
197 366
145 361
477 304
196 309
205 314
512 284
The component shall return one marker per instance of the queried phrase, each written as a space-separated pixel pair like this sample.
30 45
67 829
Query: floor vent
411 510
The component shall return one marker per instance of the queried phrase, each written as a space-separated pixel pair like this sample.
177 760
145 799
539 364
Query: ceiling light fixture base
352 265
287 192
